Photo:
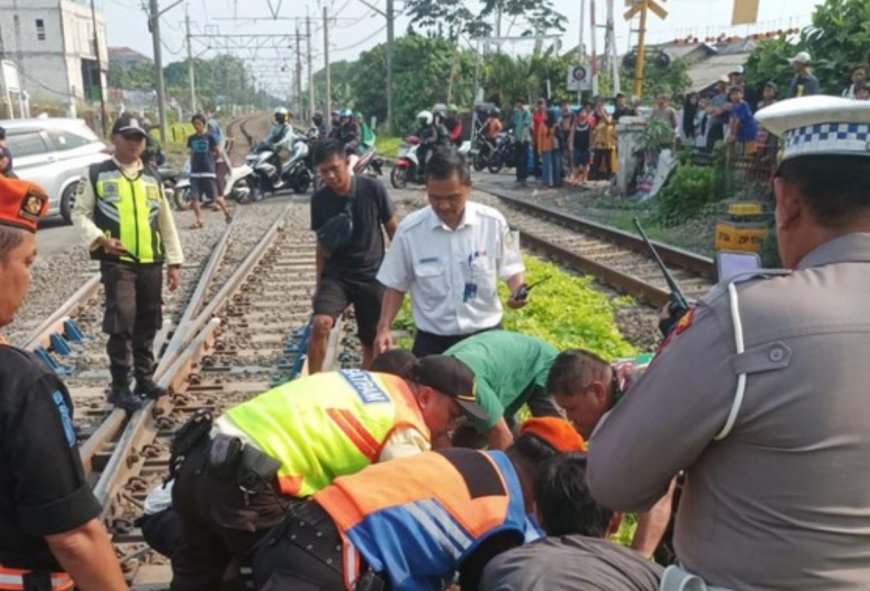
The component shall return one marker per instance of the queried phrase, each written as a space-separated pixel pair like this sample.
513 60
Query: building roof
706 72
126 52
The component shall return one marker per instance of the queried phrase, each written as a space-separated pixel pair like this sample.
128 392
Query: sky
357 27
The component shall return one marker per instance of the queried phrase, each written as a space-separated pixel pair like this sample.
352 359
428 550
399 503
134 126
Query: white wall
51 67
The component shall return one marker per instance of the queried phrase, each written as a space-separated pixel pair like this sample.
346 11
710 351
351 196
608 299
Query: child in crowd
743 129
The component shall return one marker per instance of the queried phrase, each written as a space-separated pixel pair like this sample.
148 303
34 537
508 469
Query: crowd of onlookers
571 145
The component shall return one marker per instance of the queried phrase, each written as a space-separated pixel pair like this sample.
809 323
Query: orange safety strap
12 579
356 432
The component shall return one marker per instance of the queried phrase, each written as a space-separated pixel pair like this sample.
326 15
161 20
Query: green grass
388 146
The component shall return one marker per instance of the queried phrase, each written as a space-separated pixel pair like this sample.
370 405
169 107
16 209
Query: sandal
228 218
196 226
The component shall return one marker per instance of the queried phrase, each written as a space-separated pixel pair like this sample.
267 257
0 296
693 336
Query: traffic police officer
127 223
416 521
761 393
292 441
49 519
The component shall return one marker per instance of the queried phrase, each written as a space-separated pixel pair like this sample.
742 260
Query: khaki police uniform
127 202
761 397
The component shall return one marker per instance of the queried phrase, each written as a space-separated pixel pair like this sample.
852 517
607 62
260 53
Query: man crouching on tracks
235 479
128 226
761 395
49 519
414 523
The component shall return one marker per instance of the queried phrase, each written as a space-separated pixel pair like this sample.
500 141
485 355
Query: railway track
617 259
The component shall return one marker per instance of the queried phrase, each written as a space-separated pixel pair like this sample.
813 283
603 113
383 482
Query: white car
54 153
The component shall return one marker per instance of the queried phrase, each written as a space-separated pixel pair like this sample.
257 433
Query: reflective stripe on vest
12 579
437 508
327 425
127 209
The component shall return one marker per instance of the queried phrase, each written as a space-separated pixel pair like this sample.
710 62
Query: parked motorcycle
240 184
503 155
277 171
482 151
169 177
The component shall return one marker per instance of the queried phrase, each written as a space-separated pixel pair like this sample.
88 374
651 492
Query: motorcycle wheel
399 177
479 162
302 182
495 164
242 197
182 199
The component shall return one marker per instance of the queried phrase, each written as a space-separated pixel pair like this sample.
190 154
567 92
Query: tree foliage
474 18
838 39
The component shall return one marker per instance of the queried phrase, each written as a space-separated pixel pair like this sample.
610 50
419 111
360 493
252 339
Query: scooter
240 184
503 155
482 151
407 165
280 171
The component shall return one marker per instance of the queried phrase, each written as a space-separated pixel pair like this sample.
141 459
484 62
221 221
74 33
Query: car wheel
67 202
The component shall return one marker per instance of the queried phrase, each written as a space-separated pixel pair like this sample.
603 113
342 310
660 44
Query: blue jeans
551 168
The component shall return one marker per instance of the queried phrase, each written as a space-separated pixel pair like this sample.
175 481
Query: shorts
581 158
222 170
203 187
334 295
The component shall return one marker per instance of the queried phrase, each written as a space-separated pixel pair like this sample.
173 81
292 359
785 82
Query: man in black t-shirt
49 518
347 275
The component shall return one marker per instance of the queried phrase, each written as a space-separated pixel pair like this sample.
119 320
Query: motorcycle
407 164
503 155
276 171
482 151
240 184
169 178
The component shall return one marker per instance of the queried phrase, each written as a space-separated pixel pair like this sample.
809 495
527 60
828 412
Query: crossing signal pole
641 7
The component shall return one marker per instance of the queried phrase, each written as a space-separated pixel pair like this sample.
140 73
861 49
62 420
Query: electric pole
641 48
328 105
104 115
311 108
390 41
190 69
154 17
298 70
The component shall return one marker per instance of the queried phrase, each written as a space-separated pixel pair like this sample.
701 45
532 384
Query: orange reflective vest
416 519
327 425
12 579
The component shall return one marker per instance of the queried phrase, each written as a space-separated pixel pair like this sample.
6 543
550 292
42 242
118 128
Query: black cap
452 378
128 123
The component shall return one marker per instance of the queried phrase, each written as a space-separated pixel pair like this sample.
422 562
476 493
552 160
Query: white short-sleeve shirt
452 275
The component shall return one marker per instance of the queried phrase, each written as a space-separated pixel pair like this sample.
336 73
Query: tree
671 79
838 39
460 17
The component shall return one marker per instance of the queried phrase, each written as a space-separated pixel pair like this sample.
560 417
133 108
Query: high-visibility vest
127 209
12 579
327 425
416 519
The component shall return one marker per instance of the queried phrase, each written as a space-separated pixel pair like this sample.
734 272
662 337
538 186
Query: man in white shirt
449 256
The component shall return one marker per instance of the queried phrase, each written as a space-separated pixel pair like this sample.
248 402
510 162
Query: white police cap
819 124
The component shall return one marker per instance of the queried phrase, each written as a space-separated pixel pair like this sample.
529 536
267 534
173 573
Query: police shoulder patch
65 417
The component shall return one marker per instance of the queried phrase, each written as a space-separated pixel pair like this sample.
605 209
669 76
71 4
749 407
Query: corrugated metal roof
706 72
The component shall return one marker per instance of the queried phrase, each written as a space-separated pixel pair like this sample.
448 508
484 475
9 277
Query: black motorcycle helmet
317 118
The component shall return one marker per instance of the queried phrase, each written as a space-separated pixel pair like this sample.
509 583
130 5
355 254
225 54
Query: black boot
148 388
121 396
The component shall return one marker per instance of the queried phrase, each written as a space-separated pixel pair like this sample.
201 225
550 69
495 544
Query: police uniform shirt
83 215
783 500
452 275
43 490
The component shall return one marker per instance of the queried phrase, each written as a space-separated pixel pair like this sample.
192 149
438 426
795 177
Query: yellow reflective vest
127 209
327 425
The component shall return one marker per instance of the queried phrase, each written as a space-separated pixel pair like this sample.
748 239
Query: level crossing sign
579 78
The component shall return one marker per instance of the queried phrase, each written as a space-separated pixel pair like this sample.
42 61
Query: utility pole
190 69
298 70
390 41
154 18
328 106
104 115
580 50
311 108
641 35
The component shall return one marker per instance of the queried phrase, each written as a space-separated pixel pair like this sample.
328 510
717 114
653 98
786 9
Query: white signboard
579 78
9 78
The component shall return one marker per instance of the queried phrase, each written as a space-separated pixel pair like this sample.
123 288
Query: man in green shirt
510 370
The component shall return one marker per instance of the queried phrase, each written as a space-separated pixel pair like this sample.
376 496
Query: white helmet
282 115
281 111
425 117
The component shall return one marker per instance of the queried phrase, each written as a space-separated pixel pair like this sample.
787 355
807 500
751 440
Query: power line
357 44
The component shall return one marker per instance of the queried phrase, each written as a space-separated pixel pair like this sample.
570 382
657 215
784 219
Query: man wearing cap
49 518
804 83
235 476
510 370
760 395
128 226
449 256
443 514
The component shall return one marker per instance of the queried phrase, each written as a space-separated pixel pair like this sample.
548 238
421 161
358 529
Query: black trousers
134 313
521 159
304 553
426 343
220 522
